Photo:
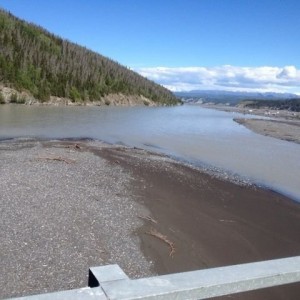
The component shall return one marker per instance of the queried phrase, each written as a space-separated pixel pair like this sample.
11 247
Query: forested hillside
46 65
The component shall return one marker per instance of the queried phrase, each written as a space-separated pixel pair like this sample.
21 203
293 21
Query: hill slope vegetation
45 65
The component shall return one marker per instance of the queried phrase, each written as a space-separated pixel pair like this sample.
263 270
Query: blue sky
246 45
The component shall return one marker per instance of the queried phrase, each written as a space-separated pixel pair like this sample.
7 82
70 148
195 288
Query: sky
236 45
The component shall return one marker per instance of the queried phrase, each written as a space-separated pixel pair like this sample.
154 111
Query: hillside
41 64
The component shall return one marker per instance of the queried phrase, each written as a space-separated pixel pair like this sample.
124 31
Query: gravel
64 210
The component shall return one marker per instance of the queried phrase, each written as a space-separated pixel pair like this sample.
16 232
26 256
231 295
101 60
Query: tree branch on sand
58 158
148 218
163 238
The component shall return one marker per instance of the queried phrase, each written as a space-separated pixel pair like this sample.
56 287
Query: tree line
46 65
289 104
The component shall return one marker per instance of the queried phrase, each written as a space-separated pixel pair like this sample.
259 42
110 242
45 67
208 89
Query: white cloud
288 72
262 79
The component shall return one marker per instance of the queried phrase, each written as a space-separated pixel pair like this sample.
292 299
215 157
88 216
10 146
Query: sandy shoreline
283 125
280 129
66 206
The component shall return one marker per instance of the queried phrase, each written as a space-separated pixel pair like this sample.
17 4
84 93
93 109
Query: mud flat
69 205
282 124
280 129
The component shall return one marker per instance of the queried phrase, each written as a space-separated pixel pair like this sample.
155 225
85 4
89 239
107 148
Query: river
201 136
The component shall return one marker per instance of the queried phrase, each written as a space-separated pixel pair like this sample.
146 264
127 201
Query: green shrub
21 100
14 98
2 101
74 94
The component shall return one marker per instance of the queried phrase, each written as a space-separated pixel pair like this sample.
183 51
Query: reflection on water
189 132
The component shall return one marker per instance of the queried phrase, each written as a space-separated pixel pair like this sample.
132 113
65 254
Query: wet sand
209 221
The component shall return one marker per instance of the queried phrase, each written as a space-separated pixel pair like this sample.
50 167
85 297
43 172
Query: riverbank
265 112
281 129
70 205
12 96
283 124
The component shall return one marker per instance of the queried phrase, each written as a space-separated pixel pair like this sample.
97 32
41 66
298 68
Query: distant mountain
44 65
232 98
